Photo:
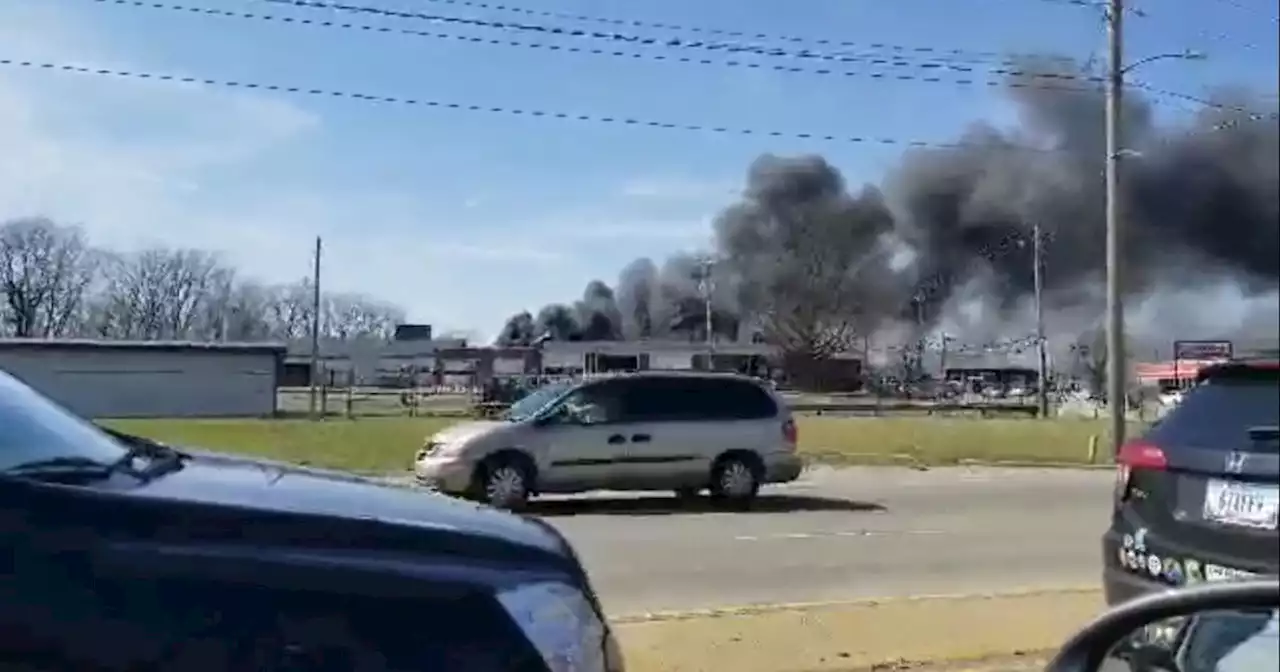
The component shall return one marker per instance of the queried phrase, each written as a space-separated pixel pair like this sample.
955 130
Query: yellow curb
881 634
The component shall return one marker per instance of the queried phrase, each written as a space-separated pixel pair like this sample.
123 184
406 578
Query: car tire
503 482
735 480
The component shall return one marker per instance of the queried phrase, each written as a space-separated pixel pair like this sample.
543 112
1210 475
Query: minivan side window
658 400
692 399
735 400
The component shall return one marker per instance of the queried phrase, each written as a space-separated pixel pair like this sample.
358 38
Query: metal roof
164 346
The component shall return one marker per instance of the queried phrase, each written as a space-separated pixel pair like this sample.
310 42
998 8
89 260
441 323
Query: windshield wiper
163 460
65 464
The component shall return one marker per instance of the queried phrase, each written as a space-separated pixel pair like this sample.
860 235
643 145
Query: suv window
691 398
1219 412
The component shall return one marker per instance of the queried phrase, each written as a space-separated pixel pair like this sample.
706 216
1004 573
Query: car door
663 448
583 441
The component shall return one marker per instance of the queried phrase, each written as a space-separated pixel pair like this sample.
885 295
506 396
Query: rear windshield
1221 412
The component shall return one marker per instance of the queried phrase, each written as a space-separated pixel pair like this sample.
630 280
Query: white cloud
681 190
140 163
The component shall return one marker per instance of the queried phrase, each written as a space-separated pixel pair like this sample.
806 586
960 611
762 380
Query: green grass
381 445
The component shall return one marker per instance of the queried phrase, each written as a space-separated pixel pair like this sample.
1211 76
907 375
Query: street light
1188 55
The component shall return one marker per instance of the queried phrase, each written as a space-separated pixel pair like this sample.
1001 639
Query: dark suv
1196 496
120 554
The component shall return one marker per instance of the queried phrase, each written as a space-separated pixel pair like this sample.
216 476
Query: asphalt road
844 534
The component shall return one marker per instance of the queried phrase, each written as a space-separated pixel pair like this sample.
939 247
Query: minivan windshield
33 428
529 406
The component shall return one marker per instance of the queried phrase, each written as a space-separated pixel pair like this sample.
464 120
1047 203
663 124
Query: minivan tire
735 480
504 482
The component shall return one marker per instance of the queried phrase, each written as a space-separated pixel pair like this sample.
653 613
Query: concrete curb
837 460
755 609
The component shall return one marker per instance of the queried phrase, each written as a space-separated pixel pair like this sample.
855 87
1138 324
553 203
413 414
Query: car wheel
504 483
735 479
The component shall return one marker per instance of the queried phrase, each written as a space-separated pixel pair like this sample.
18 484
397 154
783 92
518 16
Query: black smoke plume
945 242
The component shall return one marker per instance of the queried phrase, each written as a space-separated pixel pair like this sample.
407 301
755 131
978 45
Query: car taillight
790 433
1136 455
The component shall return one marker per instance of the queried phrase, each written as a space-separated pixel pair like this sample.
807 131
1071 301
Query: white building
654 355
124 379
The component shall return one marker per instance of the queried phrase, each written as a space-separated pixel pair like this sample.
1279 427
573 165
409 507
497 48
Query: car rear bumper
782 467
1120 586
1119 583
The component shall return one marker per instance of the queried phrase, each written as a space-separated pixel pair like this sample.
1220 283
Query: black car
1196 496
119 553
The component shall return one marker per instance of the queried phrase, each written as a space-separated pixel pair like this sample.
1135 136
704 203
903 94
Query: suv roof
716 375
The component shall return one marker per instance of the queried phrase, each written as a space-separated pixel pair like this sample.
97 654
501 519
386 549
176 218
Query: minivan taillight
790 433
1137 454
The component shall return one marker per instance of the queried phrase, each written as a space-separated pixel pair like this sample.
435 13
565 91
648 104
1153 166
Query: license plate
1242 504
1216 573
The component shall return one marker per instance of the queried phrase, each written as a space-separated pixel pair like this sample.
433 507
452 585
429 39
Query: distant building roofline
274 348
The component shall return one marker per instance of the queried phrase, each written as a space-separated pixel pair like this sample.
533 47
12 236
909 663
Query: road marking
832 535
753 609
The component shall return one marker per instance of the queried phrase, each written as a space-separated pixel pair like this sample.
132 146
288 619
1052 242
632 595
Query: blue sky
465 218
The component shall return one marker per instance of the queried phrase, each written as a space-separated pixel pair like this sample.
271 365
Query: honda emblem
1235 463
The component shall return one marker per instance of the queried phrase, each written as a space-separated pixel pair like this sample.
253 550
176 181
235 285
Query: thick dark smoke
945 243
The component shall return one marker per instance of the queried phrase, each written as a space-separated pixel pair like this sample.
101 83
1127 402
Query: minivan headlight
563 626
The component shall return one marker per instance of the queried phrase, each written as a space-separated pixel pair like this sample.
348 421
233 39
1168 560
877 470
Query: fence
466 401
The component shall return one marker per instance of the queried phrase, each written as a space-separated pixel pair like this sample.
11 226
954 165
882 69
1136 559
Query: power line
635 40
511 111
950 54
1251 114
682 44
684 60
881 76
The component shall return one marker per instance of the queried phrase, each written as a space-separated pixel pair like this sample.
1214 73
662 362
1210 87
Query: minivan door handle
615 439
640 438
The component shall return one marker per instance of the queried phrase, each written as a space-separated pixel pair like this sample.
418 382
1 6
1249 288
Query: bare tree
55 285
162 294
45 270
355 315
289 310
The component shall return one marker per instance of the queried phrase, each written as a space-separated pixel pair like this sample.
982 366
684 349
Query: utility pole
1116 364
315 328
942 357
920 342
706 286
1037 259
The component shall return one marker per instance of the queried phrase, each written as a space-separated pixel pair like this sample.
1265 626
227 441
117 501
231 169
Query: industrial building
125 379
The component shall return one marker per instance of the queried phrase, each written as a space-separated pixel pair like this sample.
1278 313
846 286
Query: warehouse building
125 379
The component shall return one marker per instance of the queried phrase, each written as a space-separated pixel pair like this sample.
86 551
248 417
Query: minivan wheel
735 480
503 483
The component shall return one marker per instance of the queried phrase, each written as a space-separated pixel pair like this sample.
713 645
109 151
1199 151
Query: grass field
386 445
